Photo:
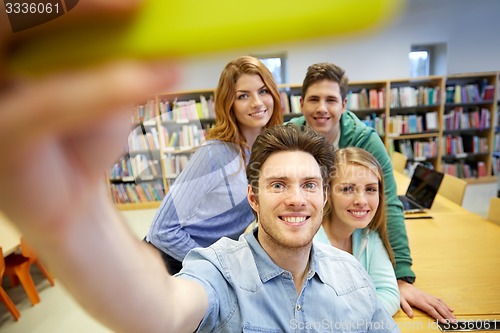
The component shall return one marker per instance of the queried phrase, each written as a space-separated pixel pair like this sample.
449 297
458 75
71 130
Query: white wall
470 29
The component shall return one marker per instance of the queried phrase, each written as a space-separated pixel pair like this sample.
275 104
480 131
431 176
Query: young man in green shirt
323 105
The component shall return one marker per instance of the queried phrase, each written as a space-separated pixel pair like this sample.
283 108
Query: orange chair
17 268
3 295
28 252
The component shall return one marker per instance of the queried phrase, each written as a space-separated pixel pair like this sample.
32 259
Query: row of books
185 137
496 166
458 119
137 141
133 167
465 170
414 96
187 110
413 123
469 93
496 143
136 193
418 150
366 99
174 164
459 145
144 112
375 121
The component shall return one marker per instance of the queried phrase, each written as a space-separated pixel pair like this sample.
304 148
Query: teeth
359 213
295 219
256 114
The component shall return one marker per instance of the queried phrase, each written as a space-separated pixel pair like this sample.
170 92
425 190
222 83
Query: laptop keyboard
408 204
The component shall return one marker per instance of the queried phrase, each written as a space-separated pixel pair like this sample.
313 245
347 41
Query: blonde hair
359 156
226 127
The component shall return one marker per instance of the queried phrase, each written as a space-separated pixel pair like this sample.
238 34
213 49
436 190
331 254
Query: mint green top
368 248
354 133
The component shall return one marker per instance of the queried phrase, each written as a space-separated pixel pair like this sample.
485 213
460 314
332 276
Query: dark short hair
325 71
289 137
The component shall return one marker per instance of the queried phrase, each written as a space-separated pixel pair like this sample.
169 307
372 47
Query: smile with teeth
359 213
258 113
294 219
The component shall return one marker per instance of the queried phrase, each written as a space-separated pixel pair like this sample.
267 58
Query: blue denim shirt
248 292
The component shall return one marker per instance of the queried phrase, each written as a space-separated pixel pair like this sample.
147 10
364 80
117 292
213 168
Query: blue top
368 248
207 201
248 292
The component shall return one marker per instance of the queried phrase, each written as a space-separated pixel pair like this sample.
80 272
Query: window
419 63
276 65
428 59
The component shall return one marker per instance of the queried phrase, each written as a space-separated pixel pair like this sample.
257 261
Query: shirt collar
266 267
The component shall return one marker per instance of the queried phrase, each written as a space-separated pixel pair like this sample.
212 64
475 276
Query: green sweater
354 133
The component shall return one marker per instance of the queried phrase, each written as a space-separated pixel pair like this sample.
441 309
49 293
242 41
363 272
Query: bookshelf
166 131
414 125
416 117
469 125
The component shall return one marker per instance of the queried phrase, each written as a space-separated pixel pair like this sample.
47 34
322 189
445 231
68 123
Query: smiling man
274 279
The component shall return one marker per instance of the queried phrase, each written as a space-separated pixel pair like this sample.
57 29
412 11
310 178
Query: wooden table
10 237
456 257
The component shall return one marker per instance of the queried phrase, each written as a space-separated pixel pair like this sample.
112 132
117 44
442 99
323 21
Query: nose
295 197
359 198
256 101
322 106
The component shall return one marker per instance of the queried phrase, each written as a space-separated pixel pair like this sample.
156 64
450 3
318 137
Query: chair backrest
398 161
453 188
494 210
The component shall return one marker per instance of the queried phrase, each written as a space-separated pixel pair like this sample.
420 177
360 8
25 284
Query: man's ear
325 199
252 199
301 102
344 105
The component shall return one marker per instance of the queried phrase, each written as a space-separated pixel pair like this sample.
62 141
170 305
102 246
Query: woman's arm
381 271
190 201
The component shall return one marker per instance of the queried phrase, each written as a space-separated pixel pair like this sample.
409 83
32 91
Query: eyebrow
352 183
272 178
240 91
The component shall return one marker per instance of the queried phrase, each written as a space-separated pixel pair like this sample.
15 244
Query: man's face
290 200
322 107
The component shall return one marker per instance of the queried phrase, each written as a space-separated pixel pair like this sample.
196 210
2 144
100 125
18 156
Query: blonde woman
355 219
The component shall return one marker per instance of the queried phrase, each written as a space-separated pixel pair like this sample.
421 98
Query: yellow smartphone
163 28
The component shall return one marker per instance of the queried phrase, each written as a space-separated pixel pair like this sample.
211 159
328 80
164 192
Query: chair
453 188
28 252
494 210
3 295
17 268
399 162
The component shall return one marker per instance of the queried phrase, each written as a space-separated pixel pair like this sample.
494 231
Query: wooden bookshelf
410 115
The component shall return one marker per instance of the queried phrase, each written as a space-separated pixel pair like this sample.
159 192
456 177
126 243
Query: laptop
423 188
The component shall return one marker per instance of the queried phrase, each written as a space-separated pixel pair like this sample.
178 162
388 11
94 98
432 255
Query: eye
242 96
277 186
264 91
311 185
371 189
348 189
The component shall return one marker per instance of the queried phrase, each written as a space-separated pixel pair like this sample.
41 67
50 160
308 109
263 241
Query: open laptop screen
424 185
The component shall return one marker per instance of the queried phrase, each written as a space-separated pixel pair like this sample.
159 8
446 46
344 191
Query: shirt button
299 307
